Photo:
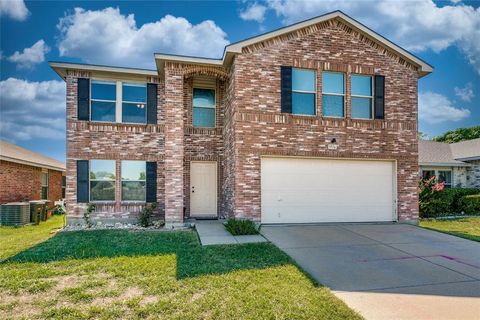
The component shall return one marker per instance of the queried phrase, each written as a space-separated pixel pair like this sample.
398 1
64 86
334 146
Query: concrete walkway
388 271
212 232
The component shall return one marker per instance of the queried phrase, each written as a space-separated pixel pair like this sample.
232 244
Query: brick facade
249 124
21 182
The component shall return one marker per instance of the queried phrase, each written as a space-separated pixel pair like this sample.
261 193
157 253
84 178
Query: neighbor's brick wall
261 129
21 182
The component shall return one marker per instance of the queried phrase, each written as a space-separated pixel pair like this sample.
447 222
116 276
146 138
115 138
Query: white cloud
32 109
415 25
30 56
14 9
436 108
466 93
254 12
109 37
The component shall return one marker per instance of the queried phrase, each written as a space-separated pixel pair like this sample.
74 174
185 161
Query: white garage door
322 190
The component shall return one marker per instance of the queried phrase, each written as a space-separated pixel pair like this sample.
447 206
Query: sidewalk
212 232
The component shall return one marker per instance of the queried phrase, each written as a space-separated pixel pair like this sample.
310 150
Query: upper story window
45 185
203 108
103 101
133 180
303 91
333 94
102 180
362 97
134 102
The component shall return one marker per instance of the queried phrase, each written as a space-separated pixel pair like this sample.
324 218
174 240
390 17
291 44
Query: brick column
174 147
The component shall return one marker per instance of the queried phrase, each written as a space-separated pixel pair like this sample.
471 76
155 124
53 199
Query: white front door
203 189
296 190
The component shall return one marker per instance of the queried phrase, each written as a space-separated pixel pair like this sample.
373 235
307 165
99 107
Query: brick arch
205 70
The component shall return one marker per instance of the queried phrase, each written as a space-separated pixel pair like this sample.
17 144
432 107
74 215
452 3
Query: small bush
241 227
145 216
470 204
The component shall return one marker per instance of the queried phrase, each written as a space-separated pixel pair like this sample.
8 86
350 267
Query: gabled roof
466 150
13 153
235 48
435 153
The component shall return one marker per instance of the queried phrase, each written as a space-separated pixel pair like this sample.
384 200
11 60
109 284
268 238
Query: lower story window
445 176
64 186
102 180
427 174
133 180
44 185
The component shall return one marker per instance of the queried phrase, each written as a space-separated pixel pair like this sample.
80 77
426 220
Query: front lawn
119 274
468 228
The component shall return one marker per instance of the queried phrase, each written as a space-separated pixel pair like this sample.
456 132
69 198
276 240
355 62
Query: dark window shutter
83 97
286 87
379 105
151 182
82 181
152 103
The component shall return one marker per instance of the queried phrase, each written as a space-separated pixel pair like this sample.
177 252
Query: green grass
16 239
468 228
118 274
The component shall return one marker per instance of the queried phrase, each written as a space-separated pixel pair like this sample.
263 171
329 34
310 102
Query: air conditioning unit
15 214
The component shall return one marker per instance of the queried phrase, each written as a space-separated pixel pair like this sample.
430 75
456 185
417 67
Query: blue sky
446 34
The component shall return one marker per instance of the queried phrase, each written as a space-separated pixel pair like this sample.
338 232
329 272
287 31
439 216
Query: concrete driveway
388 271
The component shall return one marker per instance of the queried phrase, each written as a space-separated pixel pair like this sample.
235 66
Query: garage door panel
323 190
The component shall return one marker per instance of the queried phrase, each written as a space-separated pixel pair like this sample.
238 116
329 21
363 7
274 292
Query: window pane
103 90
204 98
303 103
133 170
133 190
445 176
204 117
134 112
134 92
333 83
102 169
332 106
361 108
103 111
427 174
102 190
44 179
44 193
64 181
361 85
63 193
303 80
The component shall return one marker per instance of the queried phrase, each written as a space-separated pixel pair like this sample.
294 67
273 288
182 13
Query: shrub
435 201
241 227
470 204
145 216
86 215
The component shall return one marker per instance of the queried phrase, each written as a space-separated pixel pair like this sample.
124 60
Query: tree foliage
460 134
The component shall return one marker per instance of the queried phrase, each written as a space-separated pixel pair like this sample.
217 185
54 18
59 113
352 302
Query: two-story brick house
314 122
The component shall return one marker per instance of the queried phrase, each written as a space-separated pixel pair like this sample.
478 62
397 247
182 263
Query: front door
203 189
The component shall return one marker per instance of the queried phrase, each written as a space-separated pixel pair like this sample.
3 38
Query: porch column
174 146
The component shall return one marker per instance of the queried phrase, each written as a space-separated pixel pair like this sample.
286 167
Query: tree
460 134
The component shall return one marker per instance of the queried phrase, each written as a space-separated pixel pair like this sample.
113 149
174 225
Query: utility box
15 214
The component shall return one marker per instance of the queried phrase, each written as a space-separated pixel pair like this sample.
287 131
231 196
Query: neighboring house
458 164
314 122
26 175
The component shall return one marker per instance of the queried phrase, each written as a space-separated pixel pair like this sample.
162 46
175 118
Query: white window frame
310 92
90 180
44 171
118 100
121 182
214 106
336 94
359 96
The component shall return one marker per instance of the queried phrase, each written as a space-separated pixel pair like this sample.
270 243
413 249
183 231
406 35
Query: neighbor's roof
466 150
234 48
13 153
443 154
